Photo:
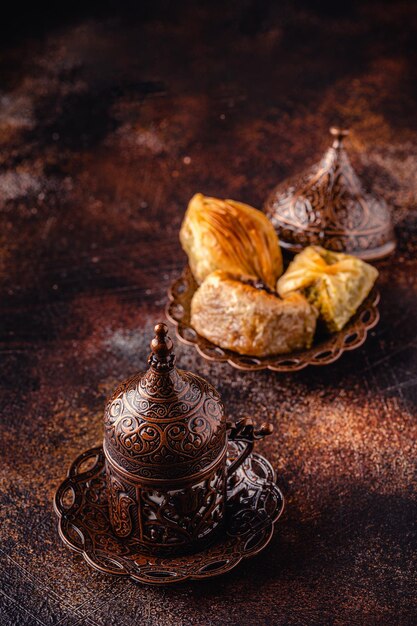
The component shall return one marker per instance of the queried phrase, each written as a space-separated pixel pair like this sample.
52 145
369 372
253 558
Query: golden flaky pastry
333 282
230 236
240 317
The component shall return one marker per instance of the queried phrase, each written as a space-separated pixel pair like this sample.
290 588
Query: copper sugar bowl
328 206
165 445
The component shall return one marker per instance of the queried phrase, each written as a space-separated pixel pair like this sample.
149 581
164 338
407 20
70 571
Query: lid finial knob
161 346
339 134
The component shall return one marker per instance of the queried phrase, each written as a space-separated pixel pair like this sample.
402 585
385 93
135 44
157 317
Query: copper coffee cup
165 444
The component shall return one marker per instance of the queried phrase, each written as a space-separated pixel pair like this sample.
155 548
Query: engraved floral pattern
178 517
120 505
165 424
327 206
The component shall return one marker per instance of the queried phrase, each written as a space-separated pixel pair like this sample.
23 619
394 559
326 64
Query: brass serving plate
254 504
323 352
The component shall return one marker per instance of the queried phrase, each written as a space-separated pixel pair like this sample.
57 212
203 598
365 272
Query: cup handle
244 430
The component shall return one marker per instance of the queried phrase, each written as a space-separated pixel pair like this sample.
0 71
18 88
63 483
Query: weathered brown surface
107 127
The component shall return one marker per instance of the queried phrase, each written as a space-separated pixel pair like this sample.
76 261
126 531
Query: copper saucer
254 505
322 352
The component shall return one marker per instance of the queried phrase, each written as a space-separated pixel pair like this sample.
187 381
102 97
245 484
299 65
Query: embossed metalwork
324 351
182 434
254 504
120 505
166 519
328 206
165 438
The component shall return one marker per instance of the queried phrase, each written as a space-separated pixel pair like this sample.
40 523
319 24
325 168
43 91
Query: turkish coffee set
176 491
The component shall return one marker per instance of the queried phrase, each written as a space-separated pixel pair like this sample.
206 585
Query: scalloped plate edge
372 306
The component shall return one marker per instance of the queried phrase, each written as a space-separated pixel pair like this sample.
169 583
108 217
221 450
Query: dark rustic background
110 119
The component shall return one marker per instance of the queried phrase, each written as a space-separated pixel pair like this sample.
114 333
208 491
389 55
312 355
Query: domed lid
327 206
165 423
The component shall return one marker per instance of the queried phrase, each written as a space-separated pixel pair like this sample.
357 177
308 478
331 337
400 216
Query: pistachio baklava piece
333 282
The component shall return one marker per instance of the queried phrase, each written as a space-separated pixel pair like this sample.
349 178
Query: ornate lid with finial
328 206
164 423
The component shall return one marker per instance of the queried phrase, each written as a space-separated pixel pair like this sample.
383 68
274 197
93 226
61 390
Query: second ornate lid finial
339 134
